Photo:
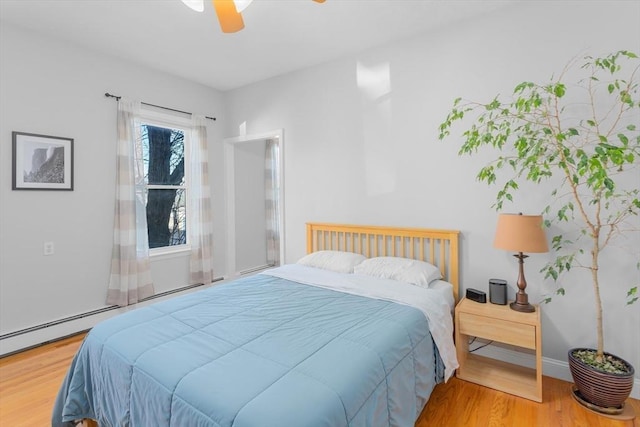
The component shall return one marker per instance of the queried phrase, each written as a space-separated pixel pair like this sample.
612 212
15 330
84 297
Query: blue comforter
260 351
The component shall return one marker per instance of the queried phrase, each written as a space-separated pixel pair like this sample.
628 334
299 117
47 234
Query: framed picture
42 162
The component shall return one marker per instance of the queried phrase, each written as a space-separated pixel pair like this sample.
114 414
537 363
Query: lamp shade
520 233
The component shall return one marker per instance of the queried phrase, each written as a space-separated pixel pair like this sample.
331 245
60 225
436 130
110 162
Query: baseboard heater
94 312
254 269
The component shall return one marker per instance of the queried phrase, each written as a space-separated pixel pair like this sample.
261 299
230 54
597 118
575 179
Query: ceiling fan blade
242 4
197 5
230 20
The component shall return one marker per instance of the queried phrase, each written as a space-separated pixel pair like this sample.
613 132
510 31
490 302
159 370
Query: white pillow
338 261
407 270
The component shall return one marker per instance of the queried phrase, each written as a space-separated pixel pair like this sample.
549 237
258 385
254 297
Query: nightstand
500 324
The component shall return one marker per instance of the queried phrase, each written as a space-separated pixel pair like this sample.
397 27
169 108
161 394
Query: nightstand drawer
504 331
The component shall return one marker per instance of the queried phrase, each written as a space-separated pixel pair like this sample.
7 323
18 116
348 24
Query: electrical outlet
48 248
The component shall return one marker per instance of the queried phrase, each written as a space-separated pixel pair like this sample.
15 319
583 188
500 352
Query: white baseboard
40 336
550 367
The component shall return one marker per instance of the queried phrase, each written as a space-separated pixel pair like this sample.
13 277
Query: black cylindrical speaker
498 291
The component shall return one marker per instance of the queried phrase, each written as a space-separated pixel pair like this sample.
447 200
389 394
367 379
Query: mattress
294 347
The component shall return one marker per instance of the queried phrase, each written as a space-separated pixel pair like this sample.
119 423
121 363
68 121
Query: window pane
166 218
163 155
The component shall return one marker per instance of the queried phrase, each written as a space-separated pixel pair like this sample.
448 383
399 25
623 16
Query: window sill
168 253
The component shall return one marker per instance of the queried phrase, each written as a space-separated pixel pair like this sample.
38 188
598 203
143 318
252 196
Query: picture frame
42 162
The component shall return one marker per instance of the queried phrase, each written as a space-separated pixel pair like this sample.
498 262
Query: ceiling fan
229 12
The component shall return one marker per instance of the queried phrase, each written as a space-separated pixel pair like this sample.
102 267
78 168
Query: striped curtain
200 228
272 200
130 279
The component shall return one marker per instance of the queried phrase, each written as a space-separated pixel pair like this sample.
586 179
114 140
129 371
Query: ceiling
279 36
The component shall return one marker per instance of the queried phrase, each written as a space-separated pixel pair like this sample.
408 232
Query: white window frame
160 119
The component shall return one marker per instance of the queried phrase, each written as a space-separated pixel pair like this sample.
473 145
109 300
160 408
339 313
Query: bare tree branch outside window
165 178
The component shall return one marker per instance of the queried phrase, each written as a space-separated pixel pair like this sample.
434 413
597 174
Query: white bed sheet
446 290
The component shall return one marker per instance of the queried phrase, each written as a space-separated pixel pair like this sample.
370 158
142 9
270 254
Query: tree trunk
596 290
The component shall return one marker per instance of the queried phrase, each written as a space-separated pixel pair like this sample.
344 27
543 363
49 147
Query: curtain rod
117 98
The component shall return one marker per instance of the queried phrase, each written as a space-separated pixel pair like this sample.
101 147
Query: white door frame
230 190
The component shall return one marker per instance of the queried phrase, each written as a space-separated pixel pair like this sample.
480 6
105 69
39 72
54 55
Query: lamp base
524 308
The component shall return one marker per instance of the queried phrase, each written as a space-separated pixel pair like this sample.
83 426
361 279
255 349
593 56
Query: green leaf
609 184
559 90
493 105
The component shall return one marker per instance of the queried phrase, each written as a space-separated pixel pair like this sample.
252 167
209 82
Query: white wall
362 146
57 89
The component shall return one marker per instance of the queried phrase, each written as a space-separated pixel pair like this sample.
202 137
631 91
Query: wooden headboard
437 247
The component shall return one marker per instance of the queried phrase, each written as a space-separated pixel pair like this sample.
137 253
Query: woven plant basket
607 390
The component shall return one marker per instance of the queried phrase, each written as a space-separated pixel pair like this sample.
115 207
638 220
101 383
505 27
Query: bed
298 345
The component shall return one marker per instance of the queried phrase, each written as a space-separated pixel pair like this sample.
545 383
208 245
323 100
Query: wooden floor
29 382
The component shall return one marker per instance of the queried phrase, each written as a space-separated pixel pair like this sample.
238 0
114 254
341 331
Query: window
164 148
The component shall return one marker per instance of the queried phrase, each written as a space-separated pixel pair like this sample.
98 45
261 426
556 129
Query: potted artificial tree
585 133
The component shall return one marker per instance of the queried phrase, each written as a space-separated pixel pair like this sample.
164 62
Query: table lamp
521 233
